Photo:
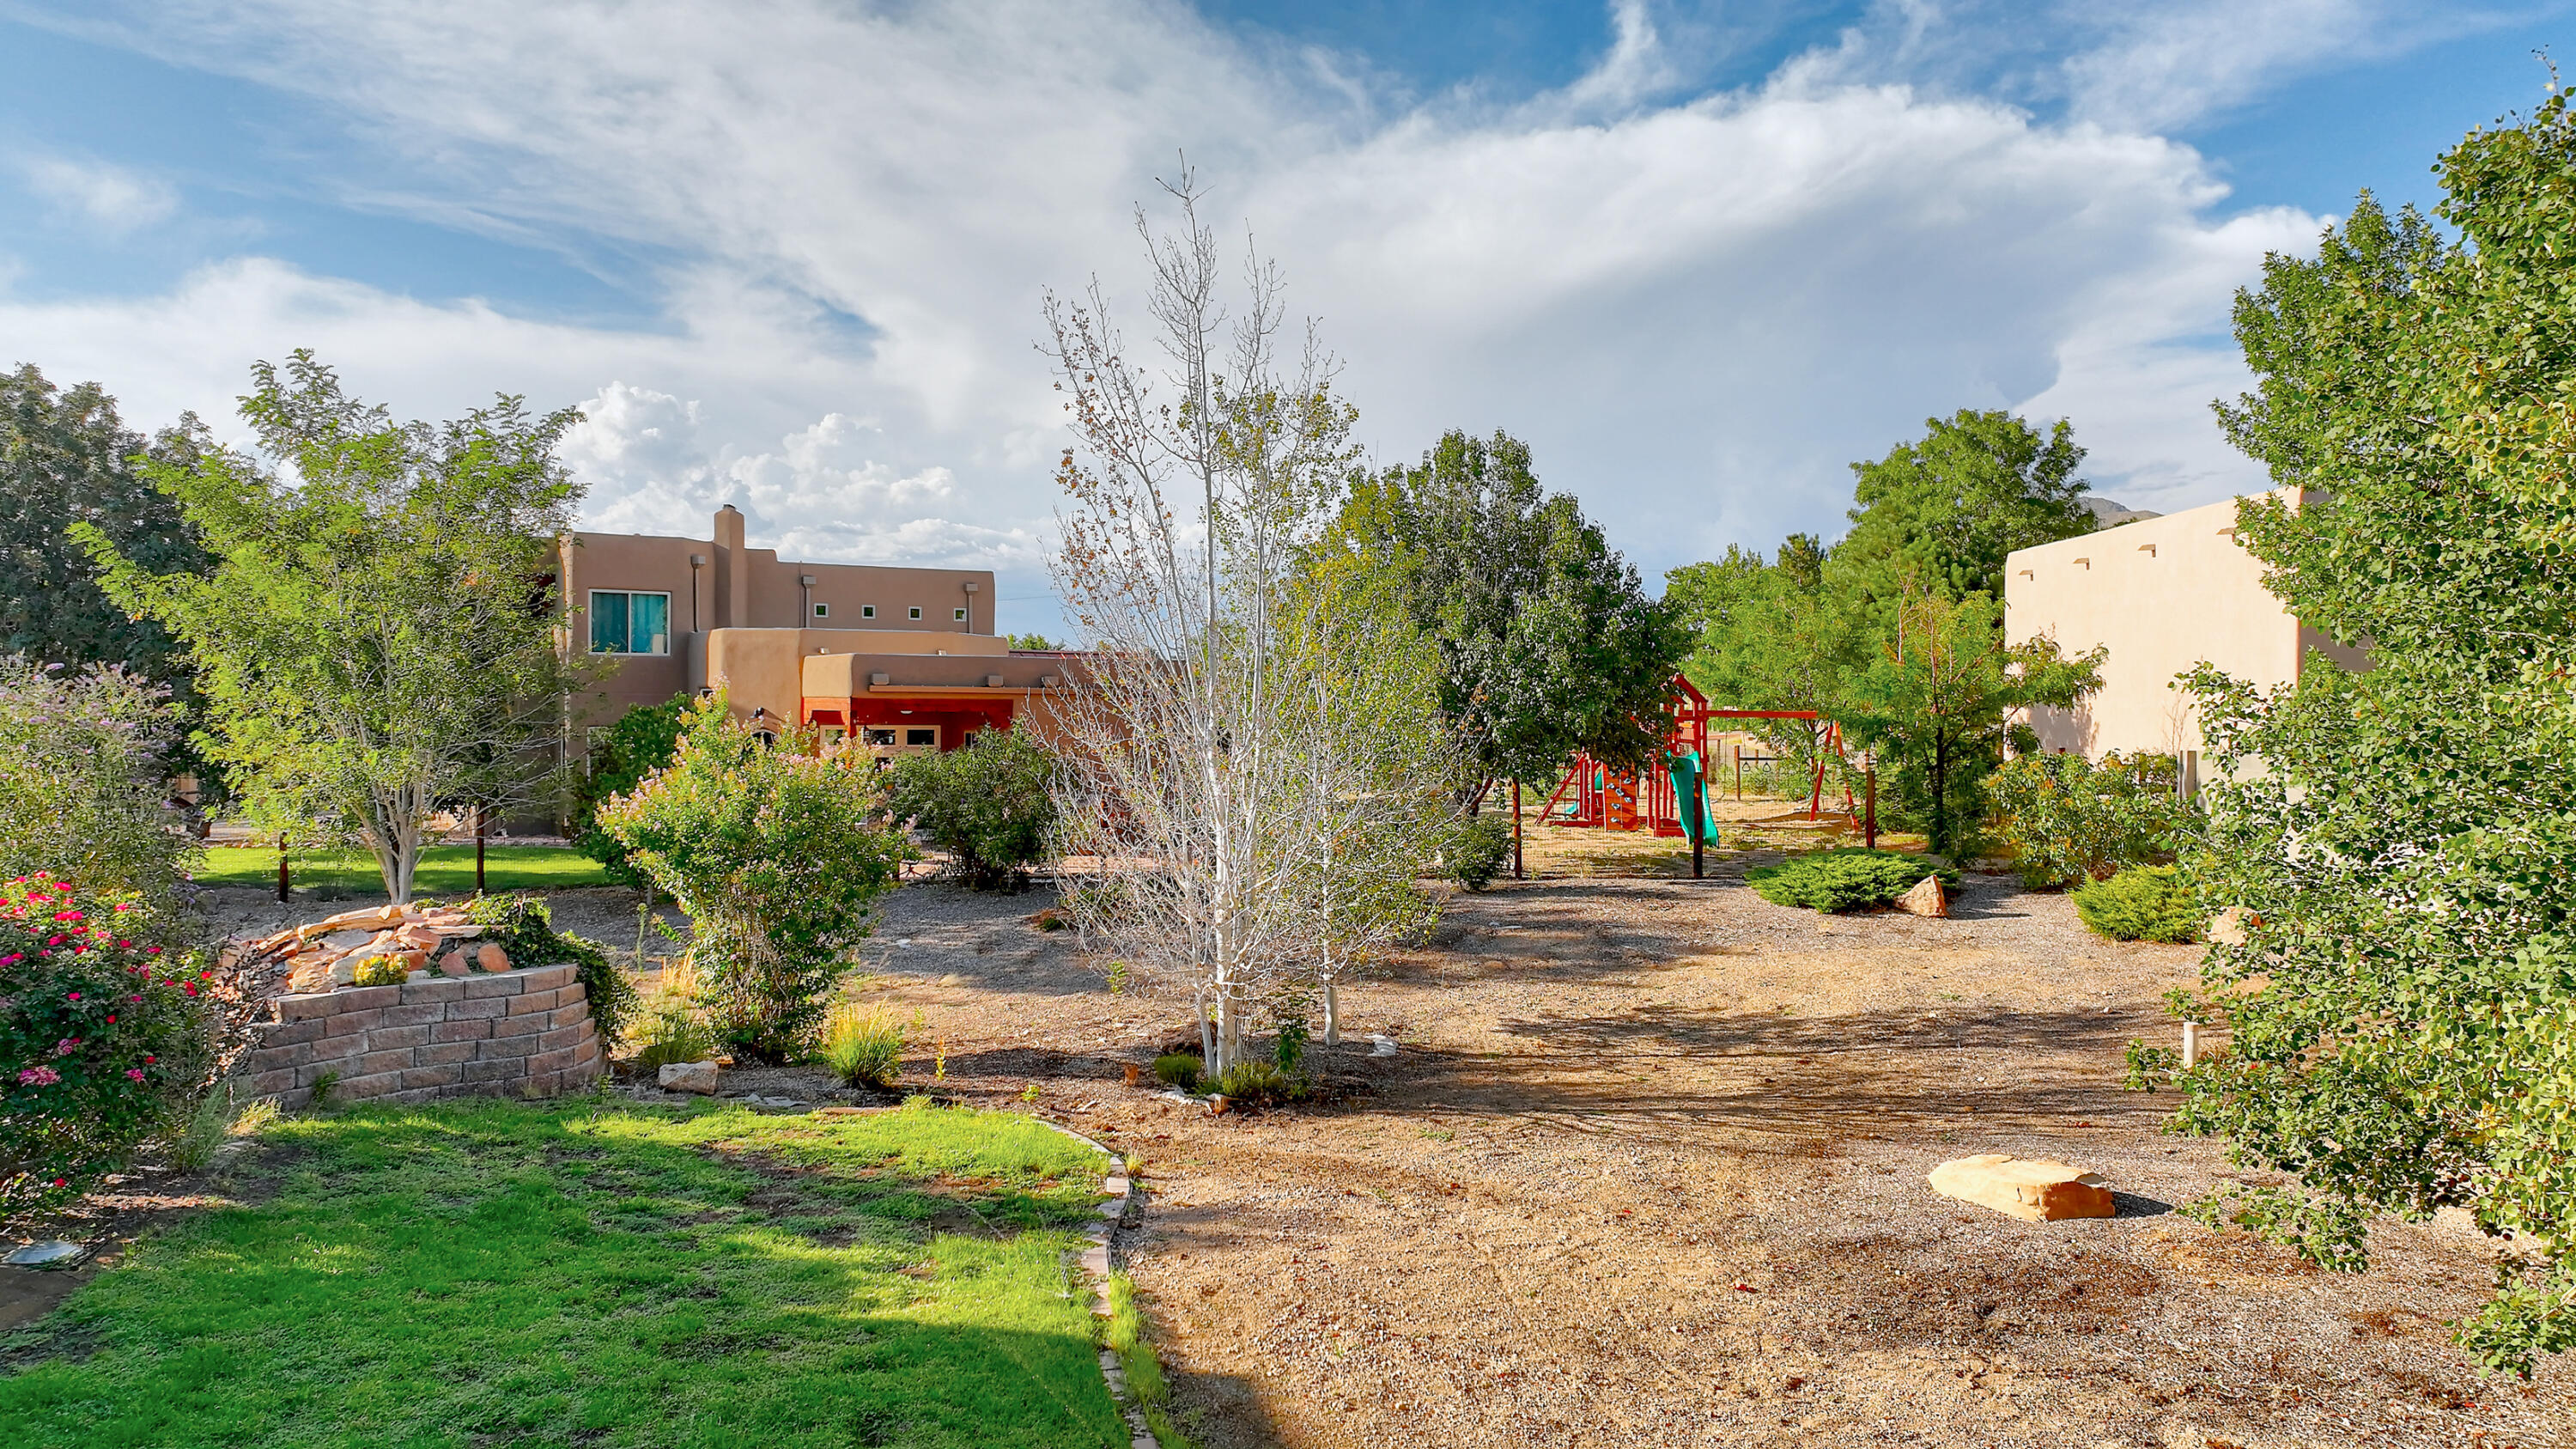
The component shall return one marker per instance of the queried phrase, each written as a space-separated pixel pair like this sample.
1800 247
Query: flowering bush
102 1035
2066 819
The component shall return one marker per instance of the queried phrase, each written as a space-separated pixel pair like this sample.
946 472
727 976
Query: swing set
1593 796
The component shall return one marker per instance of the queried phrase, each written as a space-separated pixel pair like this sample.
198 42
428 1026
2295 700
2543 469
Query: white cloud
109 199
1697 311
2172 64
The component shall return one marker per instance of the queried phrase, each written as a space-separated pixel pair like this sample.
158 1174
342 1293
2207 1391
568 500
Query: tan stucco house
896 660
2162 594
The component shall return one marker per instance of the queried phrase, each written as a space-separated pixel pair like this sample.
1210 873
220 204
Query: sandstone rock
344 941
1926 899
452 964
344 972
416 938
2034 1190
311 976
492 958
370 917
697 1077
412 960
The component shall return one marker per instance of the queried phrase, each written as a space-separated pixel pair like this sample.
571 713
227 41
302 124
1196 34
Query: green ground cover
577 1273
444 870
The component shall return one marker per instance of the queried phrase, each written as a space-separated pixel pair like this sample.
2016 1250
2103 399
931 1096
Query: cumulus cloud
1697 309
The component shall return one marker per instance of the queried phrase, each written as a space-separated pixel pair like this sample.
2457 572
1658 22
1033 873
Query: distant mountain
2111 515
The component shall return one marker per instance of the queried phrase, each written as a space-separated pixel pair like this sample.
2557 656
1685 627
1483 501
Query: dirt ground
1648 1169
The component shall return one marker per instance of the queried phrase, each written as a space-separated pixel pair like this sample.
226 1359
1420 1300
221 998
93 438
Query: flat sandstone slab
2033 1190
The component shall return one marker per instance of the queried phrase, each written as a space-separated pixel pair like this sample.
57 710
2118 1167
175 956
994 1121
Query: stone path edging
1119 1197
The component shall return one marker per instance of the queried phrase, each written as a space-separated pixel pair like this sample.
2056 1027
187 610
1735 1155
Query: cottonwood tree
1941 514
1196 765
2401 1001
376 641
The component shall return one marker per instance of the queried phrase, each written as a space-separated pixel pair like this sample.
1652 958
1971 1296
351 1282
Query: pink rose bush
101 1038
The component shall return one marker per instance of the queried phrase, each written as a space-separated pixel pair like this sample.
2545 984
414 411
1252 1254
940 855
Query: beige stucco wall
2162 594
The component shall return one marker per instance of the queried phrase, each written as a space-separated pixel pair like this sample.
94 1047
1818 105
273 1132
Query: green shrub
2066 819
521 925
83 780
989 805
622 757
1255 1081
777 857
2142 903
102 1037
863 1048
1846 880
1178 1069
1476 851
381 971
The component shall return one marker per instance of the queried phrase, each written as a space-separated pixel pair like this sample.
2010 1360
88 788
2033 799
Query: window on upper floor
822 611
915 612
629 623
961 616
867 611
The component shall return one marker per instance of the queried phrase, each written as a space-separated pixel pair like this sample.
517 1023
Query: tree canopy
67 460
377 640
2401 998
1944 511
1548 643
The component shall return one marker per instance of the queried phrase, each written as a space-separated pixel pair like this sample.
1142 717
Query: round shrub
1178 1069
102 1036
989 804
1476 851
2142 903
1846 880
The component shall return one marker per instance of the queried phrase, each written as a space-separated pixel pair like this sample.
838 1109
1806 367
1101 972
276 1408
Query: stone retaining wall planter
510 1033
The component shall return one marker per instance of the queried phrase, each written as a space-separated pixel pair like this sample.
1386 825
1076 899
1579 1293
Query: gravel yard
1648 1169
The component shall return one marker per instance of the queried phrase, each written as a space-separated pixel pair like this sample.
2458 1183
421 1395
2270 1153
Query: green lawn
586 1274
444 870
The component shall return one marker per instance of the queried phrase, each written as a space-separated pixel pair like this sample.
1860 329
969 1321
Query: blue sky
789 253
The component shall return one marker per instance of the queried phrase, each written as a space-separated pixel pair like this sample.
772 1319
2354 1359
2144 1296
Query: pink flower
151 950
38 1076
66 1046
75 996
136 1073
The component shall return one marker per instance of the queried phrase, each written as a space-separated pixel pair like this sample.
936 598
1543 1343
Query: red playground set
1593 796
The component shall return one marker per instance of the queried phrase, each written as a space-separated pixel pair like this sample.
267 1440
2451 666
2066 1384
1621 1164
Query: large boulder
1927 899
2032 1189
699 1077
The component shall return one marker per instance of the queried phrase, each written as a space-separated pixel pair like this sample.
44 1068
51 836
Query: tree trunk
1332 1015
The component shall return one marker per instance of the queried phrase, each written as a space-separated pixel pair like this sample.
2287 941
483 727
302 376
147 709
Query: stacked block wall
513 1033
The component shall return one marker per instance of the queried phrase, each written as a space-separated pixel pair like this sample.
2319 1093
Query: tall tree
65 460
1933 704
1769 637
1548 643
1941 513
2401 1003
377 641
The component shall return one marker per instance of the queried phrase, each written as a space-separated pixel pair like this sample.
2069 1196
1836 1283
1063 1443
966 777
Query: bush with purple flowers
102 1037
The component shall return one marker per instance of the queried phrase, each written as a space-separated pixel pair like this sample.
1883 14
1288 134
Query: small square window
961 616
822 611
915 612
867 611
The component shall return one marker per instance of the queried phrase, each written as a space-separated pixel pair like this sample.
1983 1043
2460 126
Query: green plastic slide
1688 785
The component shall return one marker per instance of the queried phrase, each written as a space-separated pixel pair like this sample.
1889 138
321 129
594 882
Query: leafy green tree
1941 513
989 804
1547 641
777 856
377 641
2400 996
643 740
65 460
1033 641
1933 704
1770 637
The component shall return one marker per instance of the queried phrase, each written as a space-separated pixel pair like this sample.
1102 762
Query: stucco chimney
733 579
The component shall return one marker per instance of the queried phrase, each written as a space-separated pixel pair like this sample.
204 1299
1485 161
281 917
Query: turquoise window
624 623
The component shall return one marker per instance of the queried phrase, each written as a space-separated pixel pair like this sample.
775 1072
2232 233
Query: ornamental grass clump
1835 881
1178 1069
2142 903
863 1048
102 1037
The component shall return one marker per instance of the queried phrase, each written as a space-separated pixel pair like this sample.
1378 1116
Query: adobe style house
2163 594
894 660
